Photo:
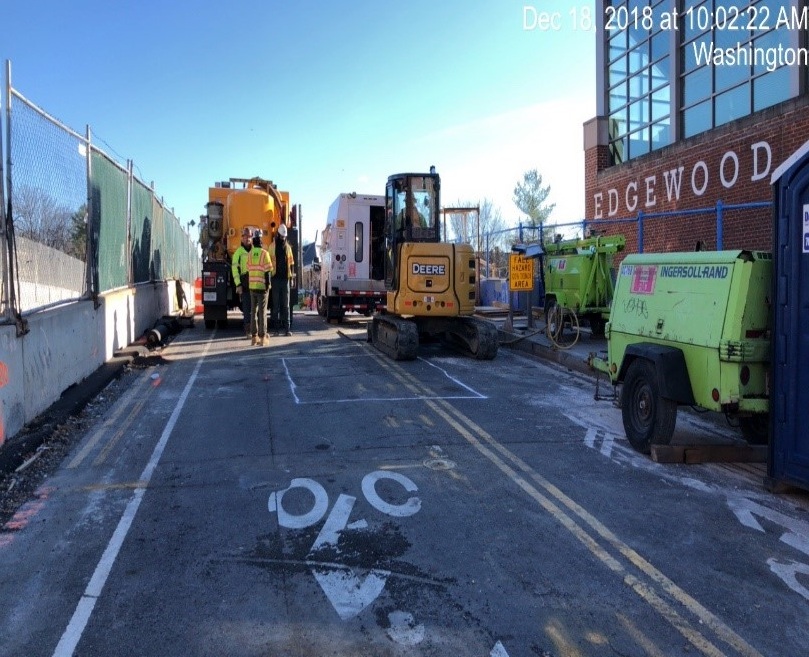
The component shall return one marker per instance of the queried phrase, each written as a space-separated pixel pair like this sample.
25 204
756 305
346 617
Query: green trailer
579 282
690 328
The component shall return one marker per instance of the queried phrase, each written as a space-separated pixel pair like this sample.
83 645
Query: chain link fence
75 222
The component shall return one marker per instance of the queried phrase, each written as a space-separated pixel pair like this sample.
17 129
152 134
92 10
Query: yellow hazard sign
520 273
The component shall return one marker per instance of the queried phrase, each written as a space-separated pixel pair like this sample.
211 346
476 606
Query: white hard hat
282 230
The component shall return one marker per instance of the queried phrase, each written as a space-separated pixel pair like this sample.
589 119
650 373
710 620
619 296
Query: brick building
698 103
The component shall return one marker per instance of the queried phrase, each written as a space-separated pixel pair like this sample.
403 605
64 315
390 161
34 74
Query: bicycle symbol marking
321 499
348 592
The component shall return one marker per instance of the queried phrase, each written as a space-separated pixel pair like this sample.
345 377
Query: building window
728 74
638 78
663 84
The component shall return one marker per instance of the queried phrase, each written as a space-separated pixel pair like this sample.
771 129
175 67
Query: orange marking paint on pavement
24 515
3 374
28 510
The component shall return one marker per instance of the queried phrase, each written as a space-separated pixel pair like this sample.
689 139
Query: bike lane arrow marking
348 592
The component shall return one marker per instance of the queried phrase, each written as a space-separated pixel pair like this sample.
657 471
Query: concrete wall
66 344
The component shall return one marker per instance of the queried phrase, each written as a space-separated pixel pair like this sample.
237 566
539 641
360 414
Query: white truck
352 255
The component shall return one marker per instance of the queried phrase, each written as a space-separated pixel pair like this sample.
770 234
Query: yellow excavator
430 285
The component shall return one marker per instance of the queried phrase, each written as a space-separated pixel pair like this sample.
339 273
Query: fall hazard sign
520 273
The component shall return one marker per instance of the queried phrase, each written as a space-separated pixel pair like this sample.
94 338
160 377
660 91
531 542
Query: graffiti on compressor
348 592
636 307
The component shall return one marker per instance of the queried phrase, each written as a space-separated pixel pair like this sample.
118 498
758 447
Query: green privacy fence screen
142 223
74 222
108 189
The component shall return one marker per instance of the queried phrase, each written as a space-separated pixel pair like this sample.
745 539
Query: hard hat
282 230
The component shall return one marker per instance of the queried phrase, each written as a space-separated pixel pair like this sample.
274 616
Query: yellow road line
477 436
113 441
131 485
122 406
640 638
704 616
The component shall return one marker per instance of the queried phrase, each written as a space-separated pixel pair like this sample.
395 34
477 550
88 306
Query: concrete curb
536 345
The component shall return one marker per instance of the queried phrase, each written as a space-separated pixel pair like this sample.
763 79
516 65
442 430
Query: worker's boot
254 341
265 341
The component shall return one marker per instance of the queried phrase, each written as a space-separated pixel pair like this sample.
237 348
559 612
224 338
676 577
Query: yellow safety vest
259 262
239 264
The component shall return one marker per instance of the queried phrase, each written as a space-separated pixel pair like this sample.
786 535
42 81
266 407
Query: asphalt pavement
516 331
368 506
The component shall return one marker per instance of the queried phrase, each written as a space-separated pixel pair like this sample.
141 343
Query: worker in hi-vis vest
283 273
239 270
259 269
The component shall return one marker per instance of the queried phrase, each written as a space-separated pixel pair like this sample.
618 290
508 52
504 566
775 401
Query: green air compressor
690 328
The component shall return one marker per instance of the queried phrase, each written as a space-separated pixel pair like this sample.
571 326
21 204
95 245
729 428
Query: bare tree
40 217
495 237
530 197
458 227
484 229
473 227
491 224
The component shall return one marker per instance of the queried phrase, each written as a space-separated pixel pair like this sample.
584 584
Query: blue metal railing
640 220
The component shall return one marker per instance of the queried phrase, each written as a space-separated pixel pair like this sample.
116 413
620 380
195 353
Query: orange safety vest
258 263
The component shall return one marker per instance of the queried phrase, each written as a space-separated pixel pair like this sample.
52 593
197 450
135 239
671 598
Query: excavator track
394 336
476 337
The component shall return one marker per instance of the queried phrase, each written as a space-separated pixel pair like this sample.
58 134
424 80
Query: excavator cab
430 285
411 215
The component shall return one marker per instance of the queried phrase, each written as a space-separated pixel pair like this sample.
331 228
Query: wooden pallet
709 453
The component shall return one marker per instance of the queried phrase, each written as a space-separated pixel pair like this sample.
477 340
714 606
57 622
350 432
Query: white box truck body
352 254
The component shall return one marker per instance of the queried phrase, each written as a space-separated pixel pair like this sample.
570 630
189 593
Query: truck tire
333 309
648 417
321 305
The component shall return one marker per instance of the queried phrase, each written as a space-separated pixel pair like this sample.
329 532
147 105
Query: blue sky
321 97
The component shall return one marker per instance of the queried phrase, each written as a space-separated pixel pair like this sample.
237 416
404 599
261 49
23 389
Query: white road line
292 386
452 378
298 401
381 399
75 628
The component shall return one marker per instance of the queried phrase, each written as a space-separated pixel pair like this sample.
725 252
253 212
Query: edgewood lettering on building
685 182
